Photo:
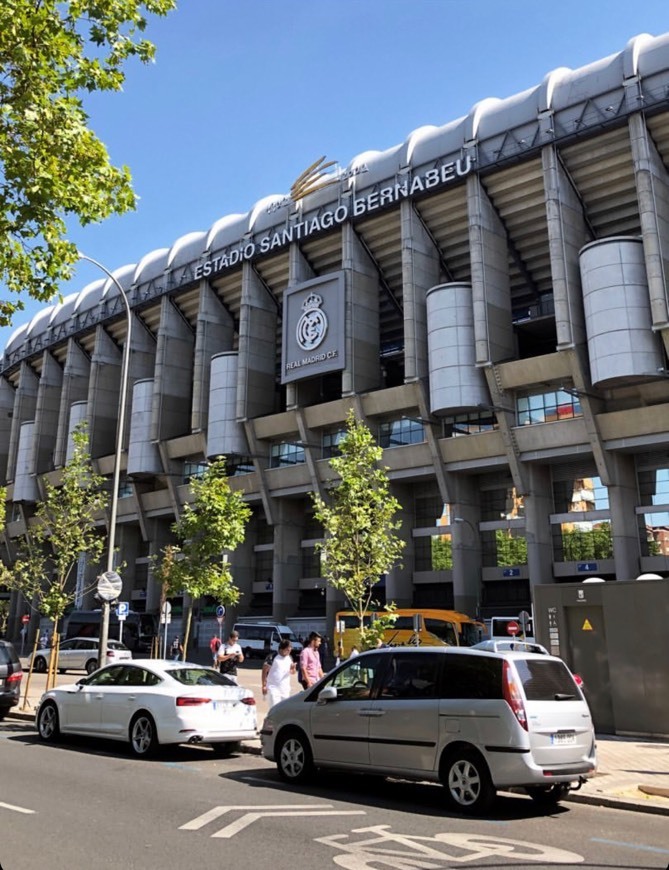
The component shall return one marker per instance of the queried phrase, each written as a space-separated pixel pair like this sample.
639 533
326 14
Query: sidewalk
633 774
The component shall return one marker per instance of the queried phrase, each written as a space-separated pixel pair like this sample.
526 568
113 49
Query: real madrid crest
312 326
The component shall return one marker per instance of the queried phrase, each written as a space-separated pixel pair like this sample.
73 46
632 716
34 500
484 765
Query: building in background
490 296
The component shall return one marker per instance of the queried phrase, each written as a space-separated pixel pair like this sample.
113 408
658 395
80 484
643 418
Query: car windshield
199 677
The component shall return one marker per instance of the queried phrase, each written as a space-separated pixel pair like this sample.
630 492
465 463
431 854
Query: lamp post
125 366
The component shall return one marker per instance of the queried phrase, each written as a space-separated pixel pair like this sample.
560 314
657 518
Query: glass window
105 677
580 494
442 629
194 468
582 541
547 407
399 433
237 465
433 553
471 677
410 677
199 677
285 453
654 486
355 681
469 424
543 680
654 533
330 443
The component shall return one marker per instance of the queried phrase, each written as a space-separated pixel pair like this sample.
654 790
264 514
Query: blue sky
245 94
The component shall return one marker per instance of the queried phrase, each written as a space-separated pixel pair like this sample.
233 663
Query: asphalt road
83 804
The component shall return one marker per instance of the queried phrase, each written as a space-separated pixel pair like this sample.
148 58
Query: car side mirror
328 694
81 683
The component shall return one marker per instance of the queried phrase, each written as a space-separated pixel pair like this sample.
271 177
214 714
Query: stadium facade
491 297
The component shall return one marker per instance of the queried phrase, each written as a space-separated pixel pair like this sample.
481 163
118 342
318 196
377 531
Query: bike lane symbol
386 849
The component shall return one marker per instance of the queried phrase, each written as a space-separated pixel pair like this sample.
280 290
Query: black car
10 678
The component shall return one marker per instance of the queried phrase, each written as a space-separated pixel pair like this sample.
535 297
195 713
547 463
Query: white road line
248 819
16 809
205 818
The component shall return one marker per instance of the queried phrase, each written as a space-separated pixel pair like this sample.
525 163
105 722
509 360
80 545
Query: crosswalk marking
252 813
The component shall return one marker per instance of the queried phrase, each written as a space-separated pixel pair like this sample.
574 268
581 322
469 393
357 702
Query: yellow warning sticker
587 626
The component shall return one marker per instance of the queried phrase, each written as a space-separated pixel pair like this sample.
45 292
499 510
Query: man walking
229 656
276 673
310 661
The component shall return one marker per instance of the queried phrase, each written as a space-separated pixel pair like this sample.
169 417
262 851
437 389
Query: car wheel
549 795
294 760
40 664
143 738
3 713
91 665
467 781
224 750
48 725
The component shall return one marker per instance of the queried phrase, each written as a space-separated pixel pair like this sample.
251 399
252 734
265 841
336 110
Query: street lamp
125 366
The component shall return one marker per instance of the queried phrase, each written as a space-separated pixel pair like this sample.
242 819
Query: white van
260 638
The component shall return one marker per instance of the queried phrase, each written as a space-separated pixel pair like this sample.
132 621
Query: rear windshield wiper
563 696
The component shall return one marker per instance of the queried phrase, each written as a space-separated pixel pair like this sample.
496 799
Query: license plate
221 705
563 738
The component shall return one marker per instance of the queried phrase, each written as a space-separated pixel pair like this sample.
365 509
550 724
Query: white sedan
150 702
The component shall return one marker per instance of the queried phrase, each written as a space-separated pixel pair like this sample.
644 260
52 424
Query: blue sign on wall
511 572
587 566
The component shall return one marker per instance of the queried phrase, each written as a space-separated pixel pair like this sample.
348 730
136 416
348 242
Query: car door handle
371 713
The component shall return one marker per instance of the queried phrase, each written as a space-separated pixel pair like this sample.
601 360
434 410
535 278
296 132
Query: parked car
511 645
473 720
149 703
10 677
81 654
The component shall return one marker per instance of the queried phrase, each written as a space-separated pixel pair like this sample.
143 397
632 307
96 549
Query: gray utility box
615 635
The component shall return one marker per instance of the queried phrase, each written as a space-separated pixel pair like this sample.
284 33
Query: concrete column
46 413
420 271
287 567
567 233
467 555
76 374
103 393
25 483
172 398
214 333
399 581
490 277
300 392
25 403
363 368
538 507
6 414
242 565
256 384
652 187
143 352
623 500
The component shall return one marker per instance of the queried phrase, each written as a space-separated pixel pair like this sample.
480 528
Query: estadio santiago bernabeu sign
313 328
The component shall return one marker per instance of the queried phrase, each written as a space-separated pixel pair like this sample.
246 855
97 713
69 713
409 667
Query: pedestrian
214 646
229 656
354 652
311 669
44 640
276 672
177 649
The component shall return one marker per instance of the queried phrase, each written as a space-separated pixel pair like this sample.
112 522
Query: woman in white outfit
276 672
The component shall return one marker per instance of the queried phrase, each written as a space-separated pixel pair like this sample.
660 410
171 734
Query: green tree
64 527
52 166
442 552
360 544
584 545
210 526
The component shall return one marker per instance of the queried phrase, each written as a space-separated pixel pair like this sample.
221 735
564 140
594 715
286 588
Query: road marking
16 809
255 812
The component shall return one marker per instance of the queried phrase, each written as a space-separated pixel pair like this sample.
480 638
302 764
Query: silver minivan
475 721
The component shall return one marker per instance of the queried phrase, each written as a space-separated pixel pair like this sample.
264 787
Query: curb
618 804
